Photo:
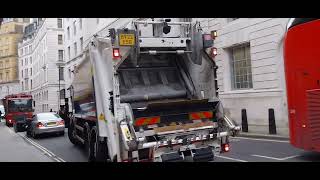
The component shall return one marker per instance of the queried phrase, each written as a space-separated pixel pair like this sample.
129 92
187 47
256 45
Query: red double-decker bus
18 110
302 70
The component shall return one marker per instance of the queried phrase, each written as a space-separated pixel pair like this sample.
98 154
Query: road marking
255 139
274 158
229 158
43 149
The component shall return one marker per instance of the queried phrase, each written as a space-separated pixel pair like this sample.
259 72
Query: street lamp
60 64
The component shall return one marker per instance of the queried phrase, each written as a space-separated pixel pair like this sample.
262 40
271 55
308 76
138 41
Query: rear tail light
214 52
39 124
61 122
116 53
225 147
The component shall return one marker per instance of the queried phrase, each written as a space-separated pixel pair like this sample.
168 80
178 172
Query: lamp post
60 64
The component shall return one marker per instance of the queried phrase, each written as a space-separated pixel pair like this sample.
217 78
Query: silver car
43 123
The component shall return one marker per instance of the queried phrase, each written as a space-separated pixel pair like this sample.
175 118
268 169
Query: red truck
18 110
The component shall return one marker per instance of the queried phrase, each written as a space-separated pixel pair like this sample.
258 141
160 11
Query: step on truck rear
148 92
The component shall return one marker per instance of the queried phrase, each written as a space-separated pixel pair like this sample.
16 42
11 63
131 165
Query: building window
60 41
61 75
22 86
30 71
21 62
80 23
59 23
69 54
31 84
241 67
68 32
98 19
60 55
74 28
30 48
81 43
1 76
30 60
26 61
75 49
1 64
22 73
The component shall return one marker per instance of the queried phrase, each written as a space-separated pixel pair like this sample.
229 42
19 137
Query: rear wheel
98 151
72 134
15 128
34 135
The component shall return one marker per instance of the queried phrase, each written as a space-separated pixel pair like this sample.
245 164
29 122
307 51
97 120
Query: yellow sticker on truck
126 39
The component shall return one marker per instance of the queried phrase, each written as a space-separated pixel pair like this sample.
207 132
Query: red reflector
225 147
214 52
116 52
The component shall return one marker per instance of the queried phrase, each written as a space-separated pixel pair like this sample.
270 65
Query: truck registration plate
126 39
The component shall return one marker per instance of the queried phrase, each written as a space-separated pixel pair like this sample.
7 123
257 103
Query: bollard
272 122
244 120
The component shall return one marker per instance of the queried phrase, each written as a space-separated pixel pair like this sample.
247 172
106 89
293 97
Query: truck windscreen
20 105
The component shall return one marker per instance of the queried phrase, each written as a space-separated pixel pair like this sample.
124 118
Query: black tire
71 134
86 137
15 128
28 130
98 151
34 135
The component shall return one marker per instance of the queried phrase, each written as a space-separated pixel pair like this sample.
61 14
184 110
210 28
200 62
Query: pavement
13 148
264 136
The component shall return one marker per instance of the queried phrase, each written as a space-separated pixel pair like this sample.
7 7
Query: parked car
44 123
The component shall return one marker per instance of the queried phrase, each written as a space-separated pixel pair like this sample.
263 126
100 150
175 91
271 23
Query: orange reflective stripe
147 121
140 121
200 115
154 120
208 114
195 116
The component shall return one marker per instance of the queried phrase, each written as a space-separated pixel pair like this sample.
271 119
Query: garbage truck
146 91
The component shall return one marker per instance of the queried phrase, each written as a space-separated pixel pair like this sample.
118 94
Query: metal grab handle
165 52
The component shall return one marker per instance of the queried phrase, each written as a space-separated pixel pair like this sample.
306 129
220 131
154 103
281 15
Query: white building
40 54
9 88
77 33
251 72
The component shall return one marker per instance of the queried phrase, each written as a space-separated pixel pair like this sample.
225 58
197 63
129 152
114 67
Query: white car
44 123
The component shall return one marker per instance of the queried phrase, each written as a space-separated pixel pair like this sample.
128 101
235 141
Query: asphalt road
243 149
13 148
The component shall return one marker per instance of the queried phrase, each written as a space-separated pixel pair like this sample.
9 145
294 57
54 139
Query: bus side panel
302 66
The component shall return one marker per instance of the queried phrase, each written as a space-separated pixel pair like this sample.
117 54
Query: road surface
13 148
243 149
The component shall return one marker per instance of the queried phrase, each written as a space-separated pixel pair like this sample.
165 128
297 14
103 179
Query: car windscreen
48 116
20 105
